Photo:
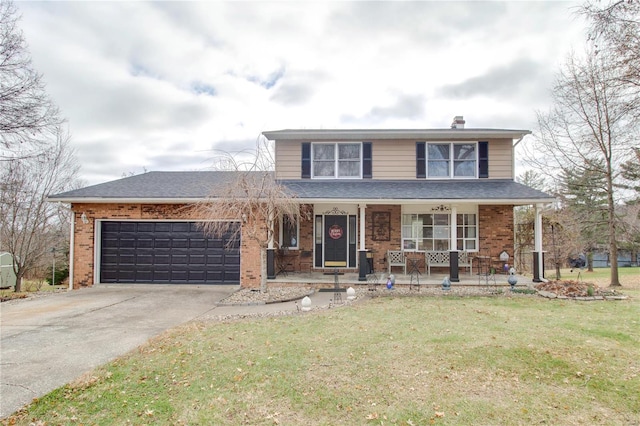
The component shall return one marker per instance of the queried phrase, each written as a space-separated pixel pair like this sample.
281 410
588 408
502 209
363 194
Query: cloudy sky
162 85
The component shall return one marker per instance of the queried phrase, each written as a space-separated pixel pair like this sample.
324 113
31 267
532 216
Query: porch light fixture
83 218
504 258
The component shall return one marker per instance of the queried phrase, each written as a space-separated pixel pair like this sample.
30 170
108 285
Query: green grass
393 361
628 275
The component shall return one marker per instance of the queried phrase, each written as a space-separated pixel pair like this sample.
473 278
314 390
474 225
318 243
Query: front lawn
394 361
629 276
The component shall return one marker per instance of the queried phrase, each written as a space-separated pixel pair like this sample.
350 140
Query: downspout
72 241
513 158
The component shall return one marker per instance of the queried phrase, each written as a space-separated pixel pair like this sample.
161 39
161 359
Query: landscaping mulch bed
576 289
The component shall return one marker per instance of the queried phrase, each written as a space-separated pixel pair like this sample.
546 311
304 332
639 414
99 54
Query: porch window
446 160
425 232
337 160
467 232
289 233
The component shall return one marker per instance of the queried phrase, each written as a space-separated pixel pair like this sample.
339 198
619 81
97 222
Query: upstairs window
337 160
452 160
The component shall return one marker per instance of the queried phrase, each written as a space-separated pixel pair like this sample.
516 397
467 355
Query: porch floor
349 279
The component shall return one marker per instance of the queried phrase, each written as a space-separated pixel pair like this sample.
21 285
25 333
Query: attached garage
156 252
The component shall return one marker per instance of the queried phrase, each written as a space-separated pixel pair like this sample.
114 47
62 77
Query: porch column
362 251
454 275
538 264
271 264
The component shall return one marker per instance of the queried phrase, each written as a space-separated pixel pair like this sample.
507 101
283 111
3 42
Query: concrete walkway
48 341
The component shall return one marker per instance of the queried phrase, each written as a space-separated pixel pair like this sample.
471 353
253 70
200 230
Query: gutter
515 202
102 200
525 201
411 134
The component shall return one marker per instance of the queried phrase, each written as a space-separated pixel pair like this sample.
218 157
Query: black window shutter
306 160
367 173
421 160
483 159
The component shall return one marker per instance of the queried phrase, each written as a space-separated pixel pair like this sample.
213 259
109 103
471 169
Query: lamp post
53 268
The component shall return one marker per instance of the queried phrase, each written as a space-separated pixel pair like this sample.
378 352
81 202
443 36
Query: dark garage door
165 252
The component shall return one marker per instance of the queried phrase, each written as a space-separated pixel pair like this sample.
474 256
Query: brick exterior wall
84 237
496 230
252 256
380 246
496 233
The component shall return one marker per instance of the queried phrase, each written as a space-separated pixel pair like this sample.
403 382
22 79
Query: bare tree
252 198
615 31
590 129
26 112
28 222
631 174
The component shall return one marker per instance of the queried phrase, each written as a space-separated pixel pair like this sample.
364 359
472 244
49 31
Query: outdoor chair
396 258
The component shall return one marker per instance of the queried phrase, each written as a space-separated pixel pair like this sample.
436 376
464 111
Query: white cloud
160 85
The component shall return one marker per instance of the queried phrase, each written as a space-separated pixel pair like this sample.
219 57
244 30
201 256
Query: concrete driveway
46 342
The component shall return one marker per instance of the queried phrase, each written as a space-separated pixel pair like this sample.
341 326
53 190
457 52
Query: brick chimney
458 122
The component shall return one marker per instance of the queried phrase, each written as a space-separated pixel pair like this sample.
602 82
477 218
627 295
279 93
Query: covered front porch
470 243
378 280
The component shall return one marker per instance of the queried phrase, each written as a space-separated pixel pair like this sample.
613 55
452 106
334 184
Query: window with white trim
425 231
452 160
336 160
289 233
467 232
431 231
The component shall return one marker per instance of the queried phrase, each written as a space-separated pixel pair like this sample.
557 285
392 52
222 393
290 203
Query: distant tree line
587 142
35 159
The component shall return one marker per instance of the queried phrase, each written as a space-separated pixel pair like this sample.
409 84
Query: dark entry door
335 241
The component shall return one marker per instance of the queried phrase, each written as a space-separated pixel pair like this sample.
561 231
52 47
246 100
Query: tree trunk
263 269
18 287
613 245
613 253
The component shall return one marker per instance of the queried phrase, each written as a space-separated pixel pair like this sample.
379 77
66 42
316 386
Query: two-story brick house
369 192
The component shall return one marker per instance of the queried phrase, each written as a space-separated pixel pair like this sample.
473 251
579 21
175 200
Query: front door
335 241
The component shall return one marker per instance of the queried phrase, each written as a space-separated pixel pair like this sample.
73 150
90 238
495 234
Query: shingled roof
183 187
